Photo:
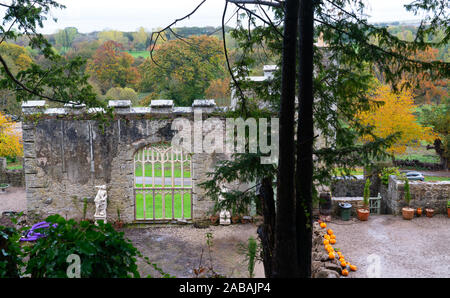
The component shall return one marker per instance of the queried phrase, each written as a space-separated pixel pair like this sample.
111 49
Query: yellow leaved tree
10 140
395 115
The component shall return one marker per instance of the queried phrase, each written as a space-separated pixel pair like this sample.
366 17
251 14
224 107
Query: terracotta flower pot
214 219
408 213
235 219
429 212
246 219
448 212
363 214
419 212
118 224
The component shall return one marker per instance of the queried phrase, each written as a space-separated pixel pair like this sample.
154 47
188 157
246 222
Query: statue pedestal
96 218
225 218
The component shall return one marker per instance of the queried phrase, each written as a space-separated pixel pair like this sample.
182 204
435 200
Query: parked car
415 176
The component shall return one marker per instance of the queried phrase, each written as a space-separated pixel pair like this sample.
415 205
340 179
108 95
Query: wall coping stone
33 104
118 104
122 107
161 103
75 105
204 103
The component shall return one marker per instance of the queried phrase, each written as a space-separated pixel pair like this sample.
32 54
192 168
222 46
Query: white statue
225 215
100 204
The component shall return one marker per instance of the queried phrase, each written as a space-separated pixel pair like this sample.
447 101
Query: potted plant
419 212
407 212
429 212
214 219
118 223
235 214
3 187
363 213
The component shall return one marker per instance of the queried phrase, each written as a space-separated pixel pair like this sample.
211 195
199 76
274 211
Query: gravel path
177 249
14 199
404 248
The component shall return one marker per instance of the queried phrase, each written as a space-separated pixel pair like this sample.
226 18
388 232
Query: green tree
438 117
59 79
140 39
328 98
183 69
18 59
112 35
118 93
65 37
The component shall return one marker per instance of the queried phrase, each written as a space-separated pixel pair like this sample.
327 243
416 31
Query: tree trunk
305 137
285 253
266 230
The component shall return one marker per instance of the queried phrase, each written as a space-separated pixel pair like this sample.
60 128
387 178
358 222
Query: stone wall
321 265
67 153
353 187
12 177
423 194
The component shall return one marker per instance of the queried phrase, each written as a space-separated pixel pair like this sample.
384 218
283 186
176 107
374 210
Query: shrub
386 172
407 192
366 194
102 250
10 253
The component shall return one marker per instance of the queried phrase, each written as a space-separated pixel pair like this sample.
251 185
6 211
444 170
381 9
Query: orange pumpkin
323 225
343 264
333 241
330 232
353 268
326 242
333 236
344 272
341 259
331 256
326 236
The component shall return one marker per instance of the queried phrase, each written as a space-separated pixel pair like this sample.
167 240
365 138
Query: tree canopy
183 69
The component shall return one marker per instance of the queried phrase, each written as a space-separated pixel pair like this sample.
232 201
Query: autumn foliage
183 69
111 67
393 113
10 141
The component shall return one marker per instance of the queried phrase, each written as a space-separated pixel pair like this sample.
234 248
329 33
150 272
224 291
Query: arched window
162 183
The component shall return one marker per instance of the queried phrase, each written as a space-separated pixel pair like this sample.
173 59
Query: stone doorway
162 184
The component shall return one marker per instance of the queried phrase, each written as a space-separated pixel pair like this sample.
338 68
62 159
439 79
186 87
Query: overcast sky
97 15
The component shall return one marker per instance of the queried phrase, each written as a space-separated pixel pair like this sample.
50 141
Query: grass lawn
136 54
419 153
357 171
436 178
158 205
14 165
167 170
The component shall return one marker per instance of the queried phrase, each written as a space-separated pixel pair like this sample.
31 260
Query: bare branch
258 2
236 83
269 23
22 86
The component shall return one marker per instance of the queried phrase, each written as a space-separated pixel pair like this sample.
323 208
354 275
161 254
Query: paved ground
416 248
14 199
177 249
